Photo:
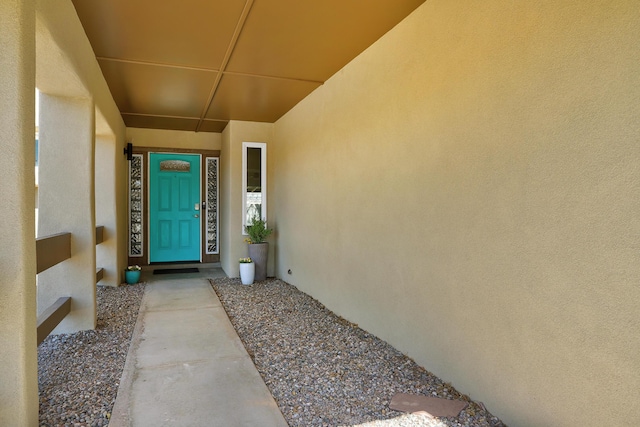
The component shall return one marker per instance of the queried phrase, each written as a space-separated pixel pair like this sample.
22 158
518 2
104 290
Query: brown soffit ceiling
196 64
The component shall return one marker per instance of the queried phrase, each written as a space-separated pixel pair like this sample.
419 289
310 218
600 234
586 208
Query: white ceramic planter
247 272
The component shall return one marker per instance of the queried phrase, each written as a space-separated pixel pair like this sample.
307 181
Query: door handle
196 216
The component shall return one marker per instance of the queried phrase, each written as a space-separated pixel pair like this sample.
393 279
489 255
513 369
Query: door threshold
180 264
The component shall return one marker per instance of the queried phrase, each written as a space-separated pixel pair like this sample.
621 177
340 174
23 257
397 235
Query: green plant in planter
132 274
257 230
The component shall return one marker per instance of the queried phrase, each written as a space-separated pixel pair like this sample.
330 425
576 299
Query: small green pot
132 276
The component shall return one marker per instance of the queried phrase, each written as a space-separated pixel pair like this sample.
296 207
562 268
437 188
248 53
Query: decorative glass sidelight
135 206
212 205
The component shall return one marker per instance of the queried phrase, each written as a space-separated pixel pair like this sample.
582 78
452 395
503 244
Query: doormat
176 271
432 406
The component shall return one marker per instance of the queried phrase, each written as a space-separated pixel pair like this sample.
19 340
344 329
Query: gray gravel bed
325 371
79 374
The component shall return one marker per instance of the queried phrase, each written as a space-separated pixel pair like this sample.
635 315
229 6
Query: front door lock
196 216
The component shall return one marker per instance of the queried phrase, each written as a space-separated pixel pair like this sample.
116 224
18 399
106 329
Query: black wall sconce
128 151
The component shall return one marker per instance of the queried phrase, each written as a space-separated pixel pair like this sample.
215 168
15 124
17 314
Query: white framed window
254 182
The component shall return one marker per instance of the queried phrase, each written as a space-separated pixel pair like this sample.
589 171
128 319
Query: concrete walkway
186 365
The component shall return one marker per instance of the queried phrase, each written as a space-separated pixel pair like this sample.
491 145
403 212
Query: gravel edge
325 371
79 374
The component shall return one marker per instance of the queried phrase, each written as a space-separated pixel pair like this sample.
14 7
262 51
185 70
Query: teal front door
174 207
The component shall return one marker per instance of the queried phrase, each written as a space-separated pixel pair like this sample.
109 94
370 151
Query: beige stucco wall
106 209
67 204
225 190
67 67
140 137
18 352
232 245
44 46
122 204
468 189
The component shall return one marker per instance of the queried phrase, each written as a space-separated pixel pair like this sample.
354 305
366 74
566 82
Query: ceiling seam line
232 45
164 116
157 64
264 76
161 116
